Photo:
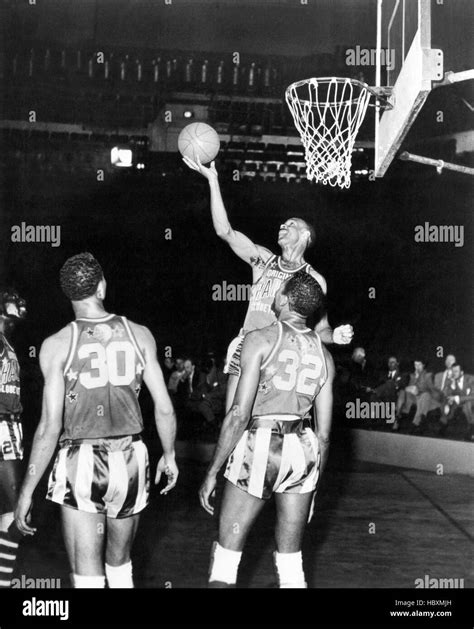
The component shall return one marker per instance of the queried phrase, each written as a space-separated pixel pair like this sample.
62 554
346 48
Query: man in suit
419 392
361 375
192 390
460 398
443 378
389 382
442 384
176 376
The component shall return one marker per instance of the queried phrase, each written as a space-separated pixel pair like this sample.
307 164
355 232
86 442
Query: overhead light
121 157
188 114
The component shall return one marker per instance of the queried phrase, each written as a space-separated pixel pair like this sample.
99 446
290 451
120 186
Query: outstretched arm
341 335
237 418
165 416
52 358
238 242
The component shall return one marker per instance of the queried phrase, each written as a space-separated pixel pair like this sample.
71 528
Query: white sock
119 576
224 564
8 551
290 570
91 582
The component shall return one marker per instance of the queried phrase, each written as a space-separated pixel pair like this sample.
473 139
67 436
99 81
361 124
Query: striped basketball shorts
275 455
109 476
11 438
232 362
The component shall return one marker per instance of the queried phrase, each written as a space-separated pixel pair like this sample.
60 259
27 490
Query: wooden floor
375 527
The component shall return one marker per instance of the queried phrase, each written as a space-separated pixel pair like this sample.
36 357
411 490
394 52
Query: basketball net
328 113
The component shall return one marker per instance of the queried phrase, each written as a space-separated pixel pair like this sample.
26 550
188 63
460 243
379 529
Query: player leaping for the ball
269 273
285 371
93 370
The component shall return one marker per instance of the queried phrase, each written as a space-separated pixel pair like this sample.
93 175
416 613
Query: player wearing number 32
285 371
93 370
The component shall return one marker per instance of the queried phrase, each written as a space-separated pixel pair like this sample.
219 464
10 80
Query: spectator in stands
390 381
361 375
192 390
177 375
443 379
419 393
459 398
168 367
442 382
216 381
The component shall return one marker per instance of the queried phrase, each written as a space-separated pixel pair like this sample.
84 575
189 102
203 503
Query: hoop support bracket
384 97
439 164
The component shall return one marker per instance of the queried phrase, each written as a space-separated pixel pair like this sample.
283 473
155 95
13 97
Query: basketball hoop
328 113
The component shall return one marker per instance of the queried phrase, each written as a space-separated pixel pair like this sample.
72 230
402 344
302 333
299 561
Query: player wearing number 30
93 370
268 435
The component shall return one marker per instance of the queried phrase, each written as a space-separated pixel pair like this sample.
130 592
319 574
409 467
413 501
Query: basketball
199 140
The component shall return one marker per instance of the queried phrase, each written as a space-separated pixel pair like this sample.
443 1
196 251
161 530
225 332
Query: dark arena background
81 77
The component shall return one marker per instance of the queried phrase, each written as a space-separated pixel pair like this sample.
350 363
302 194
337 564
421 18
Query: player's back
293 373
103 376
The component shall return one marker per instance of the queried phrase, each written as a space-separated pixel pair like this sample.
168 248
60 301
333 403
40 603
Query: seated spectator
390 382
443 379
176 376
168 367
459 398
419 393
361 375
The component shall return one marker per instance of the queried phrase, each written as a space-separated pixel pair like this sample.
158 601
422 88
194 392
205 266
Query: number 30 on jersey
114 364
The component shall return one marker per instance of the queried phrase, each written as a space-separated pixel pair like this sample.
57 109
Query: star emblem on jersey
264 387
90 332
271 371
139 368
118 331
71 375
72 397
137 390
305 344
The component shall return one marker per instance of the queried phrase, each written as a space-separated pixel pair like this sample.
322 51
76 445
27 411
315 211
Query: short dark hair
304 293
457 365
421 360
79 276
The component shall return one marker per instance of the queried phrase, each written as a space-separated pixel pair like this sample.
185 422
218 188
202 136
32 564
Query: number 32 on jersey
303 380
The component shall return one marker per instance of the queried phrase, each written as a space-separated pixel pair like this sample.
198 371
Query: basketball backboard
408 65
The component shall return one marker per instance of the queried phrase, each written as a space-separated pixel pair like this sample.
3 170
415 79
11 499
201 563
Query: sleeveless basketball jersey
103 376
292 375
9 379
260 313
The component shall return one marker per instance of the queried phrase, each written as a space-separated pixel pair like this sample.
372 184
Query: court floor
375 526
